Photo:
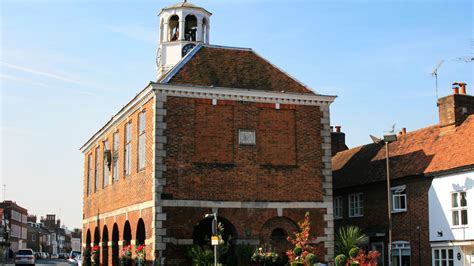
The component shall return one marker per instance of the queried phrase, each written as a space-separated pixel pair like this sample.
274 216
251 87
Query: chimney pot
338 129
455 88
404 131
462 87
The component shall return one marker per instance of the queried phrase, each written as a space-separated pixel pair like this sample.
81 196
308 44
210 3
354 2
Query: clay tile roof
235 68
424 151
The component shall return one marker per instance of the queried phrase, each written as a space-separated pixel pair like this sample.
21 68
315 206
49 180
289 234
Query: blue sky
67 66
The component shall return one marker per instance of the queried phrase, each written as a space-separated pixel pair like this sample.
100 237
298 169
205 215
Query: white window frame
128 149
459 209
398 193
89 173
448 259
356 205
115 157
338 207
97 169
105 167
400 246
141 149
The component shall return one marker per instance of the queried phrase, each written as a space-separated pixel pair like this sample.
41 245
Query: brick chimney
454 108
338 141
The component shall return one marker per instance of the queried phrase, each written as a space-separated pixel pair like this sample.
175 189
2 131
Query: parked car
54 256
25 257
44 255
76 260
73 254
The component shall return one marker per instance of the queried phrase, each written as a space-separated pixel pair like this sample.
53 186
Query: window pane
464 217
454 200
463 199
455 218
436 254
402 202
450 254
443 254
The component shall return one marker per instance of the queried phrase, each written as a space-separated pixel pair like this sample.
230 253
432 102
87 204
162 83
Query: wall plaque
247 137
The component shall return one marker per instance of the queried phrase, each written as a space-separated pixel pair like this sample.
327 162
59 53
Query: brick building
221 131
15 218
416 159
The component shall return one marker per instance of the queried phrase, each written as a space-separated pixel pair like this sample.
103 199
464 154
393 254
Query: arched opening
140 236
96 236
88 239
202 236
275 232
115 247
173 25
278 239
127 234
105 247
205 30
190 28
87 255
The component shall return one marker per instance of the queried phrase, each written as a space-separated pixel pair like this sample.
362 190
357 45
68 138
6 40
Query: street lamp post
214 231
388 139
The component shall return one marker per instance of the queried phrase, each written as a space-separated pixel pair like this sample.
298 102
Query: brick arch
115 247
105 247
140 234
277 226
127 233
96 236
88 239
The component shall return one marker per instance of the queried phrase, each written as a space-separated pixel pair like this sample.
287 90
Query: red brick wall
214 146
404 224
288 140
254 224
128 190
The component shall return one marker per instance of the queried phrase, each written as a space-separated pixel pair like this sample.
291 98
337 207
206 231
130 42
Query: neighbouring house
76 239
451 194
15 218
57 236
431 187
222 131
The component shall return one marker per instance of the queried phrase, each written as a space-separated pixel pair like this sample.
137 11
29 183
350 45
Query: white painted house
451 216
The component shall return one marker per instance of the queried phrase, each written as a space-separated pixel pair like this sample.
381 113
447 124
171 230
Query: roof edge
126 108
244 94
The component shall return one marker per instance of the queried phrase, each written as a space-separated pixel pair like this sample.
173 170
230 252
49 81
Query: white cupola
182 26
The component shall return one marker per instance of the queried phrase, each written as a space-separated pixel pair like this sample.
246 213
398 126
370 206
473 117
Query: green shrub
340 260
311 259
353 252
297 263
297 250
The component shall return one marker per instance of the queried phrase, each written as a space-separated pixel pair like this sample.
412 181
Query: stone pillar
165 33
181 29
200 31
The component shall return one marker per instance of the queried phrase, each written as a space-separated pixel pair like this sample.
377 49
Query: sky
67 66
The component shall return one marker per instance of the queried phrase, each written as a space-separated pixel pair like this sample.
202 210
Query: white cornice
243 94
129 108
218 93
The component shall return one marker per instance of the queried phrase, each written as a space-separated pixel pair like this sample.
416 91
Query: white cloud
41 73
